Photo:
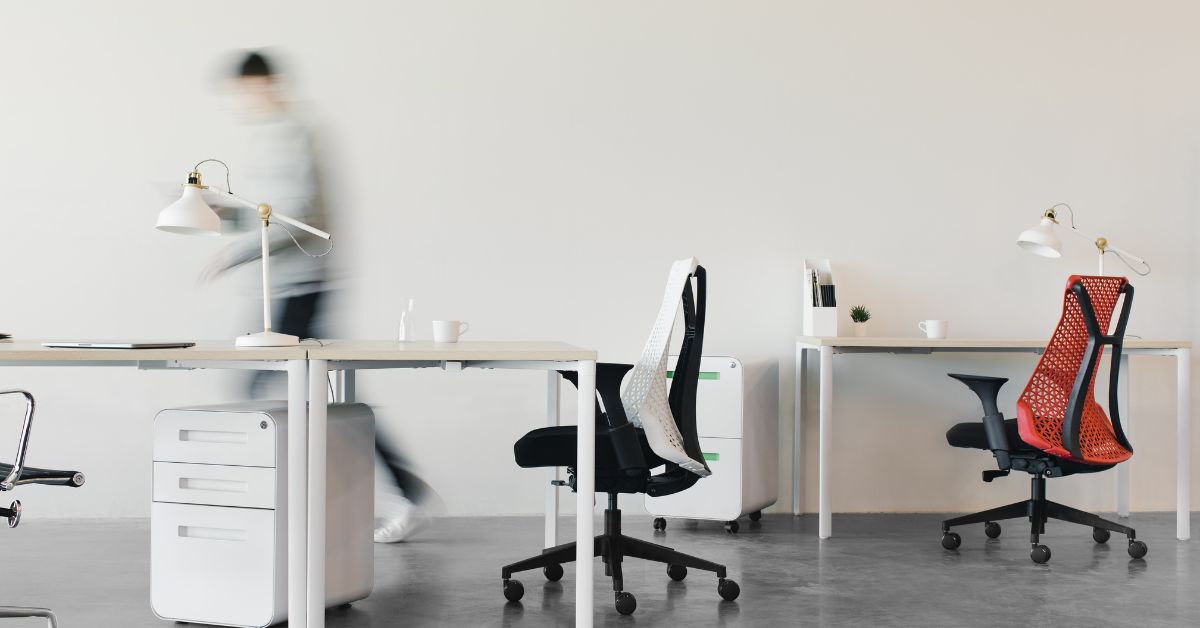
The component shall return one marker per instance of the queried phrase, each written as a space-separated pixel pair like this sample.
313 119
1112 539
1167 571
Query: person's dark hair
255 64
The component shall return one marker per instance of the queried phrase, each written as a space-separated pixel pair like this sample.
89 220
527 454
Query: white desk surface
964 344
21 350
464 351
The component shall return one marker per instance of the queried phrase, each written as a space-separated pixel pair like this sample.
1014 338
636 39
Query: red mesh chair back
1057 412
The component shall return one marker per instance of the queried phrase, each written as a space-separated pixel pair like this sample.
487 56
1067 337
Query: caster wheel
728 589
1040 554
992 530
951 540
1100 535
731 527
554 573
1137 549
626 603
756 515
15 517
660 524
677 572
513 590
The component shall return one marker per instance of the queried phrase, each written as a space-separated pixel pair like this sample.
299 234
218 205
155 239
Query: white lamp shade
1041 240
190 215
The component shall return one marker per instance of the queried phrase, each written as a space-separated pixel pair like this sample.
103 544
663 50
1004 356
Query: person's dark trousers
297 317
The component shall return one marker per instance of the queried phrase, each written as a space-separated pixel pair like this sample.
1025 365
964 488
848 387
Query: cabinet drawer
212 564
216 485
215 437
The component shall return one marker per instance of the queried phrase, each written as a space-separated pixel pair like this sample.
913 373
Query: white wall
534 166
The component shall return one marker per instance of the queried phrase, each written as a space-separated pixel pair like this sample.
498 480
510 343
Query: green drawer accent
711 457
714 375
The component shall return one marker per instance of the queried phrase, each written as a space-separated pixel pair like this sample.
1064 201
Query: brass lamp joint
1051 214
1102 244
264 212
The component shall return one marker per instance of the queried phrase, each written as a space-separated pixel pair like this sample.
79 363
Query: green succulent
860 314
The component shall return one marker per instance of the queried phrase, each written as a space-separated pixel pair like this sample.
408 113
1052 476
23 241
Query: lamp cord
1069 210
228 188
300 246
1126 262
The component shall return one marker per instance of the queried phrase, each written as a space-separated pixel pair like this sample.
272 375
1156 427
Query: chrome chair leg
12 612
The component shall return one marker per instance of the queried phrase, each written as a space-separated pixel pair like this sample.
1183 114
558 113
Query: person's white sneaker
403 523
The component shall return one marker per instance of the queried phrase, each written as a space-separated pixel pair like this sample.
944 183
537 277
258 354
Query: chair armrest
14 474
623 434
988 389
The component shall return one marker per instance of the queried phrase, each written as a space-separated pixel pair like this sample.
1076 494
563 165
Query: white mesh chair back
645 396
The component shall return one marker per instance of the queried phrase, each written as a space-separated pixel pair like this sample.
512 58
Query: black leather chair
16 474
1060 429
624 460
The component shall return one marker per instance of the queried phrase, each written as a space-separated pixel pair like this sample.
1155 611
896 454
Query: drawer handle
213 436
211 534
210 484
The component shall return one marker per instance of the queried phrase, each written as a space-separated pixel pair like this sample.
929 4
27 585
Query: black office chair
1060 429
624 459
17 474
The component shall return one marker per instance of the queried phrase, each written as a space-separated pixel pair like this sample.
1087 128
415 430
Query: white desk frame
826 348
308 369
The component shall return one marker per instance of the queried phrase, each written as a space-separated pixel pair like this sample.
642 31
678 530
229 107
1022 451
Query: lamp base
267 339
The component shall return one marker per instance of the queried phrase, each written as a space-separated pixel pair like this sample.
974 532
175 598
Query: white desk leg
552 490
798 430
318 408
1183 445
1126 411
297 467
825 524
585 495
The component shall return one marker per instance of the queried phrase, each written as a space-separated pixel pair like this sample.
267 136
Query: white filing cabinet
218 524
737 420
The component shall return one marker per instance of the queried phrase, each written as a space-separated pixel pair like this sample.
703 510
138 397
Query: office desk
344 358
308 367
826 348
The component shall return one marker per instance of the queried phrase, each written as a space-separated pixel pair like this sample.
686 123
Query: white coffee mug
449 331
934 328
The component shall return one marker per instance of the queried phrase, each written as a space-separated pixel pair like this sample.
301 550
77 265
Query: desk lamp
190 215
1042 240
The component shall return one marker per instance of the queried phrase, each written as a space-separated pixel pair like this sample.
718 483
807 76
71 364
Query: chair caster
14 513
1040 554
756 516
1137 549
660 524
728 589
513 590
992 530
951 540
677 572
626 603
553 573
731 526
1100 535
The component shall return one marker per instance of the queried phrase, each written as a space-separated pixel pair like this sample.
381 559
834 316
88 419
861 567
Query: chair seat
972 435
555 447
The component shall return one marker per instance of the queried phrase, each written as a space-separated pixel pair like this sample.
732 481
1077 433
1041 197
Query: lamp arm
296 223
232 196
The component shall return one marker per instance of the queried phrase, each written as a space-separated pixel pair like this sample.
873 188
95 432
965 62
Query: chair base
1039 510
613 547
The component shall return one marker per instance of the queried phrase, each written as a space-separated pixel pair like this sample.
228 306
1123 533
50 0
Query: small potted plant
859 314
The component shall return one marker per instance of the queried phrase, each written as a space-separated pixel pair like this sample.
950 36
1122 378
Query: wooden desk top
21 350
463 351
967 344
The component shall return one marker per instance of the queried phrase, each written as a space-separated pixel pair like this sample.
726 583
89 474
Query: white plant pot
860 329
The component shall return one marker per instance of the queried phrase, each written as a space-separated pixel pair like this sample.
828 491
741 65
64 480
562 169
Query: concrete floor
880 570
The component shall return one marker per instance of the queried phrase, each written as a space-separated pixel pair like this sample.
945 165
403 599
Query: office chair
1060 429
640 430
16 474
